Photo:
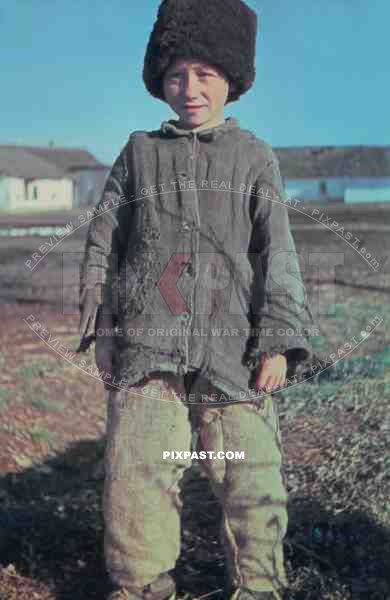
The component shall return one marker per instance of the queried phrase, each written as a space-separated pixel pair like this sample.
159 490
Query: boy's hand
272 373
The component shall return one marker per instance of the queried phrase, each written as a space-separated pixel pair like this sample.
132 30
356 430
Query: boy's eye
203 74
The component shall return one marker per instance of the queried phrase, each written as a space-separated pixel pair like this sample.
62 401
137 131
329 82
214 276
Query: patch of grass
337 311
41 434
8 427
3 405
356 475
73 341
4 396
319 343
45 404
308 398
38 369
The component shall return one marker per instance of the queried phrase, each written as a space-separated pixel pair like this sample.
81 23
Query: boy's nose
190 88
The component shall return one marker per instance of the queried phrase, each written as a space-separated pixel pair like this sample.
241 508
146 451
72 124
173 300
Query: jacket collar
169 128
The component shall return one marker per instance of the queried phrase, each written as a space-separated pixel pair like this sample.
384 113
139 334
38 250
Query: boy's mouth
192 107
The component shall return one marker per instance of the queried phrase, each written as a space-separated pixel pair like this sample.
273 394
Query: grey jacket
189 252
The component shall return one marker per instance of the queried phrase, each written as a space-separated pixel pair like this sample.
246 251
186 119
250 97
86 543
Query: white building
336 173
34 178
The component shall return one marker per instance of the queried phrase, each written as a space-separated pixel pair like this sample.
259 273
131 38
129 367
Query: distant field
55 278
358 212
54 217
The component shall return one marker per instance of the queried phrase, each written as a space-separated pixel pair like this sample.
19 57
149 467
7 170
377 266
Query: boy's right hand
271 373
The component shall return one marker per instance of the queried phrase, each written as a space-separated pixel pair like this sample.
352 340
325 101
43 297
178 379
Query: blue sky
71 72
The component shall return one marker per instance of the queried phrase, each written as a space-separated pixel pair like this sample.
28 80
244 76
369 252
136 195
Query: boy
195 209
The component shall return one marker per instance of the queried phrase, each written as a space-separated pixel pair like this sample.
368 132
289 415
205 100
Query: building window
323 188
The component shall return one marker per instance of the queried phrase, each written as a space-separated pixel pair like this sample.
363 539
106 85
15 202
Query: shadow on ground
52 531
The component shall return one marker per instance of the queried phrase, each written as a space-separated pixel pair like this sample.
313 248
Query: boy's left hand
272 373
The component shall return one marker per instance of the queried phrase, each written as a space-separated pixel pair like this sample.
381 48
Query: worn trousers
141 500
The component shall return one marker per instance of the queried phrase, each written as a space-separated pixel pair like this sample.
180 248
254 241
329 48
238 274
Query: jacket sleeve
279 312
105 244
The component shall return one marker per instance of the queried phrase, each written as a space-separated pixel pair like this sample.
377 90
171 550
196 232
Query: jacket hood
170 129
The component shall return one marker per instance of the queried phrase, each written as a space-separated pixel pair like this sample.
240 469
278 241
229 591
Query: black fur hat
220 32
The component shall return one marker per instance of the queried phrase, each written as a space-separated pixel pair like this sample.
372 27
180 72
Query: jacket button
183 317
189 270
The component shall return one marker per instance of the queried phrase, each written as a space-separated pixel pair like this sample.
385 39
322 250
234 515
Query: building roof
67 158
17 162
298 162
38 162
334 161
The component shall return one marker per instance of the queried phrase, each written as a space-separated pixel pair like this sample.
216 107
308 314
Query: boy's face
197 92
